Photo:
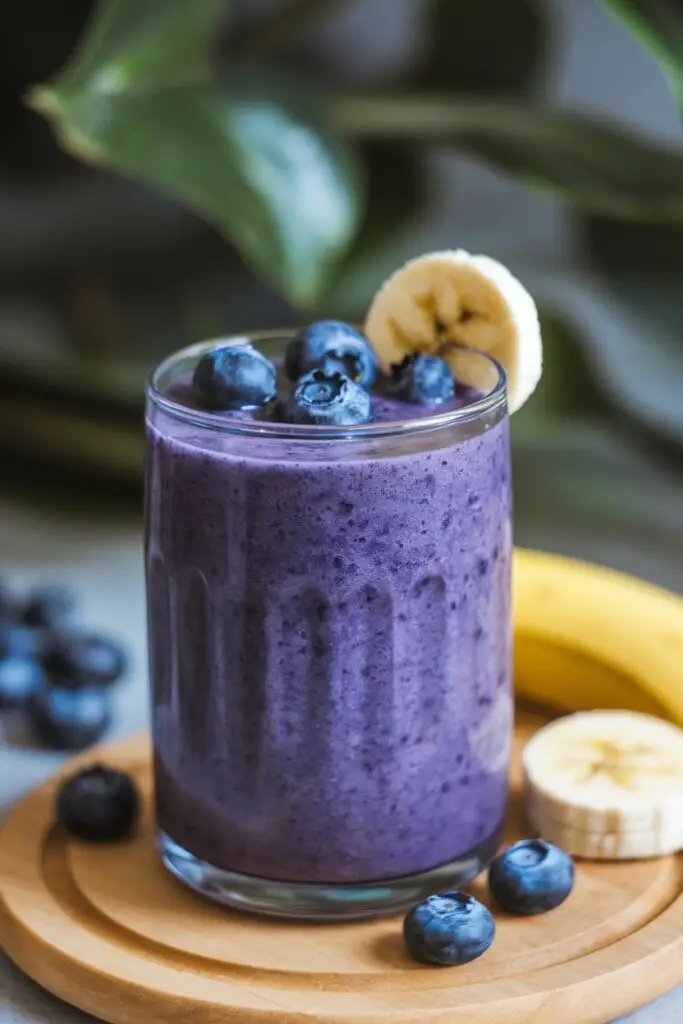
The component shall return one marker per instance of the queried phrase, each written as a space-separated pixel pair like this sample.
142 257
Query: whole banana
588 637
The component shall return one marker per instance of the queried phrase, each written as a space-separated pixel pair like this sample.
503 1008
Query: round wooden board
108 930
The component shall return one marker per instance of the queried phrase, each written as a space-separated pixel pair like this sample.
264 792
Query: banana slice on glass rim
452 298
607 784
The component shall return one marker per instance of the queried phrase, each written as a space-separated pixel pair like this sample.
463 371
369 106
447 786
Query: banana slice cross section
451 298
607 784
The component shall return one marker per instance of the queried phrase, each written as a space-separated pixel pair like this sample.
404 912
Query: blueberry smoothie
329 624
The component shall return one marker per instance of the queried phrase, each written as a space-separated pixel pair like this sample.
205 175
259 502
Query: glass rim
314 432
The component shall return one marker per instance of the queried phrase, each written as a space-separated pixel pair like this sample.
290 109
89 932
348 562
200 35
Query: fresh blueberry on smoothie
422 380
234 377
327 398
332 345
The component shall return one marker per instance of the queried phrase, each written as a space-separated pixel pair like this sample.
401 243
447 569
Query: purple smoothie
330 645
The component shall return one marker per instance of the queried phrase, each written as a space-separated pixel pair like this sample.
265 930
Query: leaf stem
414 116
436 116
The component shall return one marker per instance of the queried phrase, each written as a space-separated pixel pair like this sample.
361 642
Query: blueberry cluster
55 671
332 369
529 877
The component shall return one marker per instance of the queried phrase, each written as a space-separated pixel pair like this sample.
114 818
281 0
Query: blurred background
204 168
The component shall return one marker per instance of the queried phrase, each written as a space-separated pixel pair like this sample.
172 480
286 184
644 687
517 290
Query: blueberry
98 804
332 345
23 641
423 380
73 659
530 877
234 377
48 606
327 399
449 929
20 676
66 719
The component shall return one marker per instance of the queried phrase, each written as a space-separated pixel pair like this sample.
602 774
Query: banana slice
453 298
607 784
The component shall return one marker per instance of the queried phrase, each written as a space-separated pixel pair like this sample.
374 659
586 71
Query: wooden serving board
108 930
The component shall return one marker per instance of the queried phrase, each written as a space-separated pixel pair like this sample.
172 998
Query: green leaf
633 252
71 437
252 156
585 474
487 47
578 158
632 308
282 25
128 41
398 191
658 25
567 388
633 352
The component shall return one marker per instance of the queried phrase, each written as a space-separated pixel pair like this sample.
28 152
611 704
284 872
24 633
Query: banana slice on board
452 298
607 784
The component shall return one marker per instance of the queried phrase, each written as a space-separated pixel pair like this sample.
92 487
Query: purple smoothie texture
330 648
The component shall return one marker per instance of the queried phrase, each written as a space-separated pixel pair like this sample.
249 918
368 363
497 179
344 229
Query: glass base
318 901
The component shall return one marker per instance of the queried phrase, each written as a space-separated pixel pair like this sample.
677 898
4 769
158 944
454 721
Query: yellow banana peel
588 637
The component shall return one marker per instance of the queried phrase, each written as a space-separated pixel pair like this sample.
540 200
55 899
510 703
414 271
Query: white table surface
104 564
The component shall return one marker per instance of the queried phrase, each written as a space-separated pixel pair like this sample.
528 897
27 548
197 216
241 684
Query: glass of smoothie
329 621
